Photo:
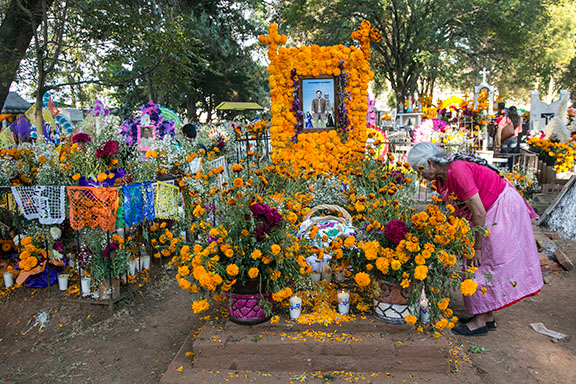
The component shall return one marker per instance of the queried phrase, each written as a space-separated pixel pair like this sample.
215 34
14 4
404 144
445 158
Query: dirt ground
84 343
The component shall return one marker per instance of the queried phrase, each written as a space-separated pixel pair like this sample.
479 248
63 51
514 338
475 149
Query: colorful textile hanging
167 201
148 196
93 207
133 204
120 223
45 203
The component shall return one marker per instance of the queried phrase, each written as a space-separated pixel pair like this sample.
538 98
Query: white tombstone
491 91
542 113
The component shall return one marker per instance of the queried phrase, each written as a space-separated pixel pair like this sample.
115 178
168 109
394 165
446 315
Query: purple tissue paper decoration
21 127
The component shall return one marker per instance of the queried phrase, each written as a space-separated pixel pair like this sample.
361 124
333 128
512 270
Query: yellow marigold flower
274 319
419 259
102 176
237 168
395 265
410 319
441 324
443 304
25 241
350 242
76 177
238 182
487 233
313 232
200 306
229 253
232 270
437 335
275 249
256 254
184 284
253 273
420 272
362 279
405 283
468 287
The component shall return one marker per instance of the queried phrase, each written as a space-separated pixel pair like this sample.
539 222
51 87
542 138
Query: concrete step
362 346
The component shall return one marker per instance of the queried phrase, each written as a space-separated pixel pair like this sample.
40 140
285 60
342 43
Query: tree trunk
16 33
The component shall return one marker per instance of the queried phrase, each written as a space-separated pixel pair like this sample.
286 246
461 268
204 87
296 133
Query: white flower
55 232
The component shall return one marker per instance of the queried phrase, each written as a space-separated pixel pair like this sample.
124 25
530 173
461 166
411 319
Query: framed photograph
319 103
145 135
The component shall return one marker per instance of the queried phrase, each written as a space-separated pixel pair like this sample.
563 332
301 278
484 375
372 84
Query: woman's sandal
465 331
491 325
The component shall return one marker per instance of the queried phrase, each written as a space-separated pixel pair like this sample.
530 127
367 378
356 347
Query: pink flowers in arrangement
425 130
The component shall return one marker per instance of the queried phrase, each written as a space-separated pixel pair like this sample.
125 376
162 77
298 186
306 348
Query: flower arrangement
417 250
150 115
526 184
241 239
326 151
563 154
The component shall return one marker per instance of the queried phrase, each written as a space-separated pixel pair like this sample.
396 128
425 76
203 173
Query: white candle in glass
295 307
343 302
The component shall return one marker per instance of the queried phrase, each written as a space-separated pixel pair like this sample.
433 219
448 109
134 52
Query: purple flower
58 246
81 138
266 219
395 231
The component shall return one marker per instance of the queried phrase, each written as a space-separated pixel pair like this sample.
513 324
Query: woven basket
346 219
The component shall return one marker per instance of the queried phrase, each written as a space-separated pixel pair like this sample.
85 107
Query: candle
295 307
343 302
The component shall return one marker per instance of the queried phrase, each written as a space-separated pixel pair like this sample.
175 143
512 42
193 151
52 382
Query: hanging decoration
45 203
133 204
93 207
148 207
167 201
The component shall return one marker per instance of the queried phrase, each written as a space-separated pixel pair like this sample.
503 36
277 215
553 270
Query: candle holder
343 302
295 307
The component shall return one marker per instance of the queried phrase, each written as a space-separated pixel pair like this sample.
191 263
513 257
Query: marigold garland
326 151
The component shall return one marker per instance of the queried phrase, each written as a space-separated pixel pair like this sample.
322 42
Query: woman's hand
477 257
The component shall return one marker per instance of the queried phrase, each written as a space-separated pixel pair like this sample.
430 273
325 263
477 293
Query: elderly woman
509 253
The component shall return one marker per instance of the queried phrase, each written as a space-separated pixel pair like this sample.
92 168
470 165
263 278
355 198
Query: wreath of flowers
129 129
330 150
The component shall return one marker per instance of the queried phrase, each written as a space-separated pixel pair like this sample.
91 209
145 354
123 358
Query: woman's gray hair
422 152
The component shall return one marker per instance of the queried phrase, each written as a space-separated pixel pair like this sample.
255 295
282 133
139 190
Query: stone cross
484 74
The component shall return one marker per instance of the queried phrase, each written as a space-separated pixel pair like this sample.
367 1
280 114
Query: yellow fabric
48 118
238 106
6 138
166 201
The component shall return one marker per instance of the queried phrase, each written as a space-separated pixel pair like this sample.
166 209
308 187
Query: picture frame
319 97
145 135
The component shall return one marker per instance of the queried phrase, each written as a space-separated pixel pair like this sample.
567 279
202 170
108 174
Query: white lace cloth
45 203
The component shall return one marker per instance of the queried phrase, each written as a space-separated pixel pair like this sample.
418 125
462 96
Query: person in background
190 131
509 253
509 127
